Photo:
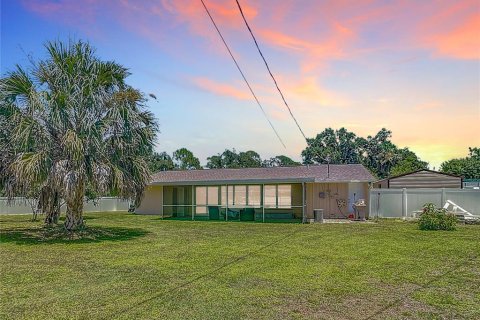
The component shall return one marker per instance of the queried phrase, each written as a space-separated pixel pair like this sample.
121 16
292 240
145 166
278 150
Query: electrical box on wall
321 195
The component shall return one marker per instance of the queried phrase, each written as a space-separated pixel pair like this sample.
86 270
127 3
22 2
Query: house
420 179
256 193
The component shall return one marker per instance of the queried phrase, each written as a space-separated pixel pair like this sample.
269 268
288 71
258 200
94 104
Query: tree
160 162
377 153
185 160
280 161
231 159
332 146
41 197
468 167
215 162
77 124
474 152
409 162
249 159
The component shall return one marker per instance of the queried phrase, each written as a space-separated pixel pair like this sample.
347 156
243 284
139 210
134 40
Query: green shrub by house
434 218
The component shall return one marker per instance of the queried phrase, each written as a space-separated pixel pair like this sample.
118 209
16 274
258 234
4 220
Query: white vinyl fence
401 203
105 204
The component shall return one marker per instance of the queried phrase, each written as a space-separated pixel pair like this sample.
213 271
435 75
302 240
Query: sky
410 66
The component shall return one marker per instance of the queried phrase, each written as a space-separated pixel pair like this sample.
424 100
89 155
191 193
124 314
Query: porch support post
303 203
263 203
226 204
193 201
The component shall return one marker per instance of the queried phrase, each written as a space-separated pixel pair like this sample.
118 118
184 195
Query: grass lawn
130 267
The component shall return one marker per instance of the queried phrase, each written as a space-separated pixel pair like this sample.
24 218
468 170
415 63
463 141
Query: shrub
434 218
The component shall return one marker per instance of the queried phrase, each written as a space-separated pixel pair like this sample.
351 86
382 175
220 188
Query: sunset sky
410 66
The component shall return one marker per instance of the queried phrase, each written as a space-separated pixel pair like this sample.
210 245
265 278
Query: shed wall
425 179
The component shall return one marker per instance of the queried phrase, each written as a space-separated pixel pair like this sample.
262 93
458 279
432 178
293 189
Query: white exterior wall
152 202
356 190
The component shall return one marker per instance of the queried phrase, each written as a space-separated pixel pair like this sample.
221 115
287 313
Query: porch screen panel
254 196
223 191
230 196
212 196
284 196
270 196
201 200
240 195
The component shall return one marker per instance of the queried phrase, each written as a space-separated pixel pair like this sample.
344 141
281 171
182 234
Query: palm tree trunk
74 213
49 203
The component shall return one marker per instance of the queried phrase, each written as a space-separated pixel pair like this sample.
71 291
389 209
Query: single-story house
420 179
256 193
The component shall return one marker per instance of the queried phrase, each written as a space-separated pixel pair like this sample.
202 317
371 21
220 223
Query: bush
434 218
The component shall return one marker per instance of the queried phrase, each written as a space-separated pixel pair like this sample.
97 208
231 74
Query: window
270 196
254 196
284 196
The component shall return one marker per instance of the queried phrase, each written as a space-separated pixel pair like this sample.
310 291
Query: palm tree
76 123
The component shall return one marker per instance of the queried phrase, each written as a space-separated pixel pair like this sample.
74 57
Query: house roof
416 171
312 173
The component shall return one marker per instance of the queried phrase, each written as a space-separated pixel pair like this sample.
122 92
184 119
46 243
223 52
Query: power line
243 75
269 71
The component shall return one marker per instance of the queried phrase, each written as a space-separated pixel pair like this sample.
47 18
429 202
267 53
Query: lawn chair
459 212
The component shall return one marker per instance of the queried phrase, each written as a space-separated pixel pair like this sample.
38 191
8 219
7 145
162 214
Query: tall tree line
184 159
378 153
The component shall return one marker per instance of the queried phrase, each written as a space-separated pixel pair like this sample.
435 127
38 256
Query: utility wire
269 71
243 75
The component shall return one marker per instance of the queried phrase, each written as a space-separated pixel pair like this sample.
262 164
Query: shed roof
416 171
312 173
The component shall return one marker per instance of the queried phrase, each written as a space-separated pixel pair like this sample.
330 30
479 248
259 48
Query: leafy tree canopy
160 162
468 167
75 124
185 160
280 161
377 153
410 162
232 159
332 146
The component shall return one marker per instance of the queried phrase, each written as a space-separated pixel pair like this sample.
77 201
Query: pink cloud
462 42
69 12
221 88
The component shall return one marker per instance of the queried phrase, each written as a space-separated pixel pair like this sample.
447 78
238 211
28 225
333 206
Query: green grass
139 267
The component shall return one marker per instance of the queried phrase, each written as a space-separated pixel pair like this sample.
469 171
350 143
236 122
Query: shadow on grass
50 235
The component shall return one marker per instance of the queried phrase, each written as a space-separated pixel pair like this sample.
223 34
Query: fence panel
389 203
15 206
468 199
106 204
416 198
386 203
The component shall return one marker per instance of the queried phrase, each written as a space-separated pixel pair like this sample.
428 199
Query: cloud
221 88
462 42
308 90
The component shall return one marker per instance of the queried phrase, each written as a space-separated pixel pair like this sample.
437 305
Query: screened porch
234 202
